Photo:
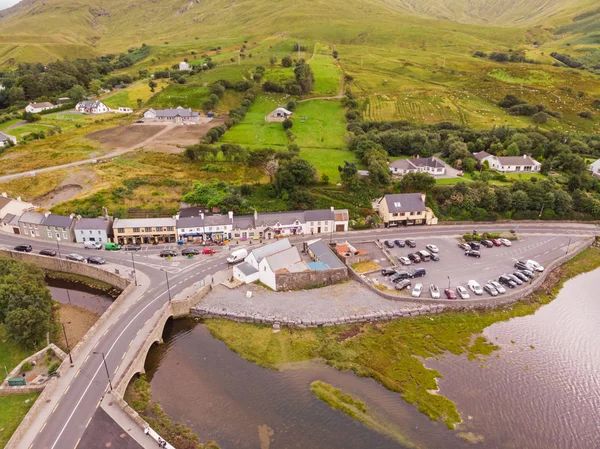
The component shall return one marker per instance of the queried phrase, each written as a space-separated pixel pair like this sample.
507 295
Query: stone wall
67 266
310 279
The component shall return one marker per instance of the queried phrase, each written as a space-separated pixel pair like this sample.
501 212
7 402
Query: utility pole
134 272
58 247
168 288
448 281
568 246
69 297
67 342
106 368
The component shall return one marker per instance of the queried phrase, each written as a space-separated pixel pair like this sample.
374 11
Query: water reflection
81 295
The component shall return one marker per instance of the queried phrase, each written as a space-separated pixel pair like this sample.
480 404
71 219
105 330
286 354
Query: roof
341 215
8 218
61 221
284 110
32 217
481 155
408 164
243 221
317 266
99 224
190 212
89 104
190 222
405 202
143 222
44 104
318 215
271 248
288 260
517 160
5 137
403 164
178 111
323 253
283 218
216 220
246 268
4 201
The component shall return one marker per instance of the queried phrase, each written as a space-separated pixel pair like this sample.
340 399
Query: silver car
404 260
462 292
76 257
434 291
490 289
498 286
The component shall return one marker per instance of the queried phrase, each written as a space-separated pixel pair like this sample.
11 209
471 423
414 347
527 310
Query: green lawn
128 97
9 123
11 354
327 73
13 409
183 95
323 127
327 160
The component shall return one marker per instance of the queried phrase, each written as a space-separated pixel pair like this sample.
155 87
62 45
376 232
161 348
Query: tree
325 178
27 326
513 150
520 200
348 173
287 124
304 77
540 118
210 195
217 89
296 173
291 105
139 102
273 60
30 117
95 86
286 61
152 84
16 94
417 182
335 54
76 93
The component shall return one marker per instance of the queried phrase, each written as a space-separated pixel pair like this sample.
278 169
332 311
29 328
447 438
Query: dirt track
125 136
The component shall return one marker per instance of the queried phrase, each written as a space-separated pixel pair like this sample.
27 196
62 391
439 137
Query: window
84 239
49 234
99 233
26 231
319 223
120 230
65 235
148 229
136 229
236 235
251 234
36 233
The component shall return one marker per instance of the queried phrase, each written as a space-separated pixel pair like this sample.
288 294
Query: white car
475 287
432 248
462 292
533 264
498 286
404 260
505 242
434 291
417 290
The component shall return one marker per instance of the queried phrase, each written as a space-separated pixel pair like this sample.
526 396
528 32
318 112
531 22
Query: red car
450 294
496 242
208 251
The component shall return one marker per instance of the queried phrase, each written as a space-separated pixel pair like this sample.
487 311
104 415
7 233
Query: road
67 422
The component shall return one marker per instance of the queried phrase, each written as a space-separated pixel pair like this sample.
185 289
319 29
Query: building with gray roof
431 165
177 115
319 251
405 209
93 230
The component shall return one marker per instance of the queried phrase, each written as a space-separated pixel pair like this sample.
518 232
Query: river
541 390
79 295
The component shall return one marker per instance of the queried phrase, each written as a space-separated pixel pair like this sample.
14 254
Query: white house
189 228
92 230
326 221
281 112
595 167
177 115
184 65
5 139
36 108
285 261
246 273
92 107
122 110
257 255
523 163
13 206
10 224
431 165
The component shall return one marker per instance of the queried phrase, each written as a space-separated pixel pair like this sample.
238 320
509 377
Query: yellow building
145 230
405 209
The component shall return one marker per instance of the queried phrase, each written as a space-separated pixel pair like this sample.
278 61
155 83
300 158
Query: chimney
255 215
18 198
104 212
332 209
524 156
72 216
423 197
202 215
4 195
177 216
46 214
230 213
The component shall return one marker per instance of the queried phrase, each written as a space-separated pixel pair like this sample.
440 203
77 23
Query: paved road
63 427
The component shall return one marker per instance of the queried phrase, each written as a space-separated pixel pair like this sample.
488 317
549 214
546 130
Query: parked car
411 243
473 253
404 260
168 253
388 244
464 246
131 247
400 276
475 287
498 286
496 242
209 251
190 251
450 294
487 243
417 290
23 248
424 255
506 281
521 276
474 245
462 292
139 121
434 291
48 252
399 243
417 273
96 260
490 289
505 242
387 271
401 285
75 257
414 258
435 257
92 245
530 274
535 265
520 265
110 246
432 248
515 279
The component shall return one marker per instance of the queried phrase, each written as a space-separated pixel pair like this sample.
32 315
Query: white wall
266 276
237 274
86 235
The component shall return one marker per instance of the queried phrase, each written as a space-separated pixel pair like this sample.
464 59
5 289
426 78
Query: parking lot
454 268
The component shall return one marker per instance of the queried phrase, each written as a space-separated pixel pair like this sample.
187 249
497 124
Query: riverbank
77 322
389 351
103 287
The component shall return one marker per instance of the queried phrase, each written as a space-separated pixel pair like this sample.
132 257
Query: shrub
27 366
586 115
53 367
287 124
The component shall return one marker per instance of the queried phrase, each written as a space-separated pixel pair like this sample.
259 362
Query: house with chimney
177 115
431 165
404 209
92 107
508 164
36 108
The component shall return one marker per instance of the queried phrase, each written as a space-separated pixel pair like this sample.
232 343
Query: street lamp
134 272
67 342
448 281
168 288
106 368
58 247
568 246
69 297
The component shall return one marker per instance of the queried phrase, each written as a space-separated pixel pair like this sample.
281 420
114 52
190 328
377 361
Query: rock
276 326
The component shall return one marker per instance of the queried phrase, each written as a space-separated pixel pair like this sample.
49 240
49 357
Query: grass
319 124
129 97
390 352
184 95
327 73
83 280
11 354
13 409
365 267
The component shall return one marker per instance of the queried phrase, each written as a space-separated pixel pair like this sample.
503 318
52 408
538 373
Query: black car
48 252
418 273
521 276
130 247
23 248
399 276
414 258
388 244
168 253
474 245
96 260
487 243
435 257
411 243
530 274
399 243
403 284
190 251
387 271
507 282
515 279
473 253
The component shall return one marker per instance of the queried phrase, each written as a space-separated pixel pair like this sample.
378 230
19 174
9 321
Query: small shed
245 273
281 112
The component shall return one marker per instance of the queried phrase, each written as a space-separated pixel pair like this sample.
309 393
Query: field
129 97
13 409
11 354
125 136
327 73
186 96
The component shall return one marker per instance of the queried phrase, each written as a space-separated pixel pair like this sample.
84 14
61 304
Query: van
418 273
424 255
237 256
110 246
92 245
